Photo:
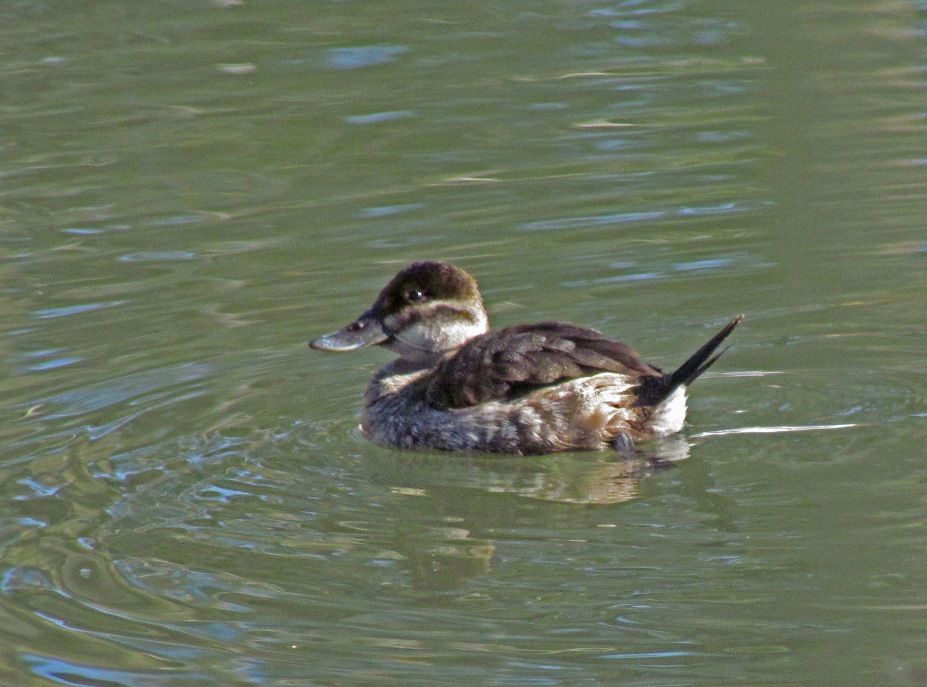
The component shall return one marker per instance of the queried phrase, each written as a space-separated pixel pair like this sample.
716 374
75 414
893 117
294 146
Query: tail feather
653 390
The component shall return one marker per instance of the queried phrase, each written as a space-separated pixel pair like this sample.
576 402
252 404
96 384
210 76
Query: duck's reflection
600 478
440 557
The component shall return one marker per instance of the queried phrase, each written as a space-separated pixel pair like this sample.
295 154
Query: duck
527 389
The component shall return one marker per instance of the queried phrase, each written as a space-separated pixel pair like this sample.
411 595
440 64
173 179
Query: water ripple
93 397
65 311
363 56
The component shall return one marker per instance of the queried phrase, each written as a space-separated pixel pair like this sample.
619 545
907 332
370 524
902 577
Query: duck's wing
511 362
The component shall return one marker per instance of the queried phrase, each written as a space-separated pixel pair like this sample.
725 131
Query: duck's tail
653 390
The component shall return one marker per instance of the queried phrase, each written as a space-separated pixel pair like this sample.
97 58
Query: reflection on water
599 479
189 190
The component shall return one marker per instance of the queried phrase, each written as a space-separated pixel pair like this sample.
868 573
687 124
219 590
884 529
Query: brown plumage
514 361
531 388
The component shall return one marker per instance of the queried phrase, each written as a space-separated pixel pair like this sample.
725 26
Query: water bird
528 389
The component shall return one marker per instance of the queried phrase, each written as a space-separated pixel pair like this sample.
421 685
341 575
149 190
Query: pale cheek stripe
413 316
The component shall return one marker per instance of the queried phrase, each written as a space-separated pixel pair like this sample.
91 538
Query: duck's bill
364 331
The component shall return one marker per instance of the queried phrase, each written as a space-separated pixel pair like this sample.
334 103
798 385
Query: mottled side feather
512 362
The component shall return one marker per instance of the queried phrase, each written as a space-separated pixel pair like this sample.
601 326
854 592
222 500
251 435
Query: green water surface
189 191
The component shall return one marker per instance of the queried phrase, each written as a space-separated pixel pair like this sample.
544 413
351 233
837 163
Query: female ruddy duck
527 389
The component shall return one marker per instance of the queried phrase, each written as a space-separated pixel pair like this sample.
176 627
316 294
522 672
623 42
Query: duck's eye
415 295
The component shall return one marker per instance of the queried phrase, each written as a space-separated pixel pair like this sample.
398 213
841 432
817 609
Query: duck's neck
396 376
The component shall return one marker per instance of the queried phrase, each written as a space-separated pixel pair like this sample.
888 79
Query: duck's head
425 312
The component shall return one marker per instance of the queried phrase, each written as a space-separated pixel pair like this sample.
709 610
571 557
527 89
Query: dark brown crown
422 281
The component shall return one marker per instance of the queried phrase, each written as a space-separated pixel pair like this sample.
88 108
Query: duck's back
510 363
526 389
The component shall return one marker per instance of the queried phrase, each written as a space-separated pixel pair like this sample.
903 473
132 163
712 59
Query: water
189 192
